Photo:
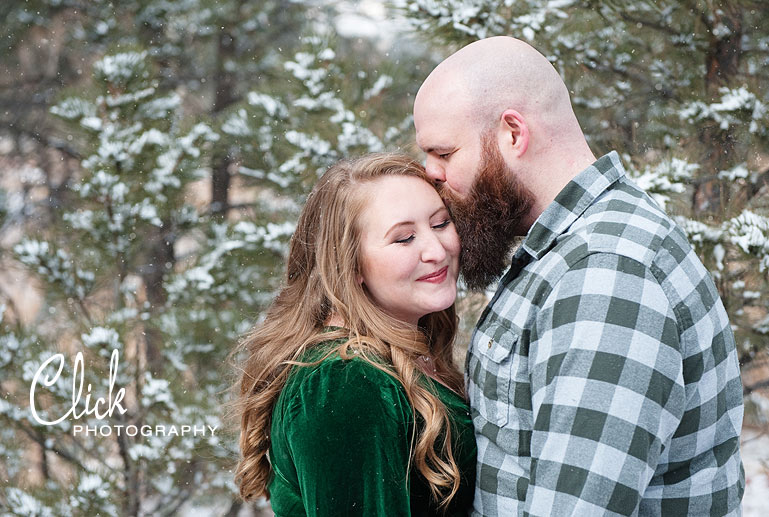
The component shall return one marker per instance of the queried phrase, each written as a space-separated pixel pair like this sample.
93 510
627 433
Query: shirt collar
571 203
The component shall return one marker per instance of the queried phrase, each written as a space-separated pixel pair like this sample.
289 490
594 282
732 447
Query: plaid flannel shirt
603 375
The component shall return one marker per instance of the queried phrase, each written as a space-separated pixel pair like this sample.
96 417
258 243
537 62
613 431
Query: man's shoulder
625 221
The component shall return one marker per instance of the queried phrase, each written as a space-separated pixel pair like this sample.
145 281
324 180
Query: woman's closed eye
409 238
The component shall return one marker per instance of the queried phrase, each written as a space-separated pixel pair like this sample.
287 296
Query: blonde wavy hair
324 263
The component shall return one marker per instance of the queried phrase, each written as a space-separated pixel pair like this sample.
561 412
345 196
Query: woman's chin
443 304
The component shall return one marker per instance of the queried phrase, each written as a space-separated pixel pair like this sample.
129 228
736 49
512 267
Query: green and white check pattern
603 376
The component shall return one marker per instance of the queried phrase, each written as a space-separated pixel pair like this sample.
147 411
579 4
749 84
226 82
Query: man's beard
489 217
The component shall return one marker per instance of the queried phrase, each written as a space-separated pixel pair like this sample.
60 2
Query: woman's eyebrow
398 225
407 223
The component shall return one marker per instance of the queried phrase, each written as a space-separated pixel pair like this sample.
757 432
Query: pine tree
192 142
103 270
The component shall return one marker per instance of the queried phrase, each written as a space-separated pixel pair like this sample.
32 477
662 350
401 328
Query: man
603 376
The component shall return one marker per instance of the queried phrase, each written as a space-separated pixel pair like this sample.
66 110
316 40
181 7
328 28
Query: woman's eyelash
411 237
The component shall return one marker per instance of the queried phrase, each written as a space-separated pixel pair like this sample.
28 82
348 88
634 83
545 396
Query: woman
350 401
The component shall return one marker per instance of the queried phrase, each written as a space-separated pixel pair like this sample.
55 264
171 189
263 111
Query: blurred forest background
154 155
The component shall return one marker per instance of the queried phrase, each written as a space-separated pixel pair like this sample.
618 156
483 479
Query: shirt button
491 342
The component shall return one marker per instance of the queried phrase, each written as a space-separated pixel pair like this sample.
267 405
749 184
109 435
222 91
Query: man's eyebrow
433 148
440 149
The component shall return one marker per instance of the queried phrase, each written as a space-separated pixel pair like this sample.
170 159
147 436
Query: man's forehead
432 136
426 106
440 125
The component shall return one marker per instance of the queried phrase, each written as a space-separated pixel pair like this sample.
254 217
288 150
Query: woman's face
410 249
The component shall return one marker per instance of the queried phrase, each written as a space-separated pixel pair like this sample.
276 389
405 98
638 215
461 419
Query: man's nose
435 170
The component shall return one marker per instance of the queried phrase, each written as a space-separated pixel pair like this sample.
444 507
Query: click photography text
100 408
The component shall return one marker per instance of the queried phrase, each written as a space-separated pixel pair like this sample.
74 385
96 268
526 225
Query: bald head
502 91
491 75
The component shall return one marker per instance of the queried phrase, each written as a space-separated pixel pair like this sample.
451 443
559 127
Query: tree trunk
224 96
160 261
722 67
132 501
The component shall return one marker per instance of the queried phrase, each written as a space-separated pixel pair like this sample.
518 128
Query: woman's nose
433 250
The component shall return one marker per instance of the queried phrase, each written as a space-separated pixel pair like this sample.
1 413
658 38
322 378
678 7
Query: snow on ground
755 458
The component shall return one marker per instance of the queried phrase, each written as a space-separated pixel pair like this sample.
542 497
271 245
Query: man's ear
515 132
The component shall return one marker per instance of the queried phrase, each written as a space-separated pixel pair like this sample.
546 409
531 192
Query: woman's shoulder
327 379
324 364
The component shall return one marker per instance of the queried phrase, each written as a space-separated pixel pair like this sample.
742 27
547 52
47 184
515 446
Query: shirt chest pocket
491 365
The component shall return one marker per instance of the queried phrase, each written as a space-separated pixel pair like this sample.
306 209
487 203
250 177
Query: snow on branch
737 105
121 68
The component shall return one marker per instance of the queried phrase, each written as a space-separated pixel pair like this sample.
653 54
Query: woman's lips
435 278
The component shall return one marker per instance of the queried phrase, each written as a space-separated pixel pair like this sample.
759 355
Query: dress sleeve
607 389
348 432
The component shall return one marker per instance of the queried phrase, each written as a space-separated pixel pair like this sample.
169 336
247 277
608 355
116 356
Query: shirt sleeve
348 433
607 388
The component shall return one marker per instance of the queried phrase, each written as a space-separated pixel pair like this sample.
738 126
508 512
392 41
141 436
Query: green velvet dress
341 434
